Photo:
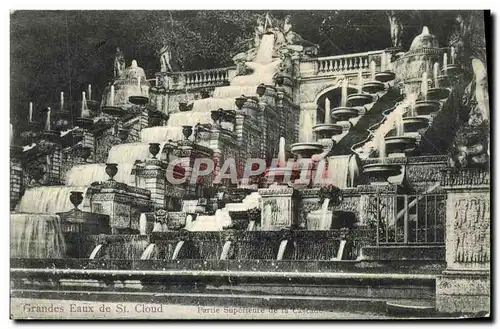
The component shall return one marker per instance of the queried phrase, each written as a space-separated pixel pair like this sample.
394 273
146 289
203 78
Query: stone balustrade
198 79
341 64
471 176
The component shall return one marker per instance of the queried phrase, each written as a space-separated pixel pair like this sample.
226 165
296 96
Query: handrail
201 71
368 53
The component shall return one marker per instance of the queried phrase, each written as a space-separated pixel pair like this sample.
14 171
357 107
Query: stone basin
399 144
451 69
373 87
359 99
426 107
435 94
344 113
444 81
414 124
306 149
380 172
84 123
138 100
385 76
51 135
113 110
327 130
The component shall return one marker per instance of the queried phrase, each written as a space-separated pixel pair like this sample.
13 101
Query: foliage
331 192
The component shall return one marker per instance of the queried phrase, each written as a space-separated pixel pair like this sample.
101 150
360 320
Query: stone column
278 209
464 287
307 114
152 177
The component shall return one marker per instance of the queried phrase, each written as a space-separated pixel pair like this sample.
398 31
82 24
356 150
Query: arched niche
333 93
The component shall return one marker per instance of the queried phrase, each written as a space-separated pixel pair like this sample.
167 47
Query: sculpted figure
119 66
396 28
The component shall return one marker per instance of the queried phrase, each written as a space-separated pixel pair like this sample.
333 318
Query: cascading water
324 213
399 124
281 249
36 236
328 109
95 252
177 250
129 153
48 199
306 134
225 250
338 171
148 252
84 175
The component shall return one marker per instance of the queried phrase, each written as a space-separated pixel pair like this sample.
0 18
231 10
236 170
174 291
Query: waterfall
143 222
381 147
95 251
398 122
225 250
189 118
36 236
343 96
281 249
189 222
189 206
324 213
340 251
129 153
265 51
338 171
177 249
353 170
48 199
424 86
213 104
251 226
148 251
84 175
235 91
281 153
436 74
305 130
327 111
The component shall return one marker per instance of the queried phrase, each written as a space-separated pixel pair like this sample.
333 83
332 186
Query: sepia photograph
250 164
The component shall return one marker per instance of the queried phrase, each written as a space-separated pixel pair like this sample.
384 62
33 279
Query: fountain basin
444 81
435 94
414 124
113 110
373 87
451 69
344 113
316 222
327 130
93 105
306 149
385 76
51 135
359 99
426 107
84 123
400 144
380 172
138 100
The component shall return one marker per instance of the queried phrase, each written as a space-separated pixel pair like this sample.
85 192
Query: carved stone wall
278 208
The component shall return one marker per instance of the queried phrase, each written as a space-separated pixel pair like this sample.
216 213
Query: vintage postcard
249 164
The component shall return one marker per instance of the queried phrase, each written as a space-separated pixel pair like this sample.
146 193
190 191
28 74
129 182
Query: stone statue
119 66
396 28
165 59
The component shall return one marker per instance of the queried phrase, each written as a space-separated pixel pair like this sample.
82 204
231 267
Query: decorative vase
154 149
240 101
187 131
84 152
215 115
279 80
76 198
37 173
111 170
261 89
183 106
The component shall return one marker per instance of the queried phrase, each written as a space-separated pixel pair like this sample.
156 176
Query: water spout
177 249
90 92
372 69
148 251
340 251
424 86
281 153
265 51
436 74
225 250
251 225
383 62
381 147
452 55
445 63
95 251
62 100
30 117
360 82
343 96
327 110
281 250
398 122
112 96
143 221
47 122
324 213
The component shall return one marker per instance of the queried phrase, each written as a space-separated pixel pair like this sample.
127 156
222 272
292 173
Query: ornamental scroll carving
471 226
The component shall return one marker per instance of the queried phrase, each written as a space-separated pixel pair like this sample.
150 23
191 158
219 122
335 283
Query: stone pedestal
464 287
121 202
152 177
278 210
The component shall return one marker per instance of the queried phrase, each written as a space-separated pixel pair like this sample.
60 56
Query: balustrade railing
202 78
469 176
345 63
409 219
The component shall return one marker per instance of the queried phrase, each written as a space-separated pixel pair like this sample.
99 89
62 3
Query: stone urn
154 149
215 115
204 94
37 173
183 107
261 89
84 152
76 198
187 131
240 101
111 170
280 80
